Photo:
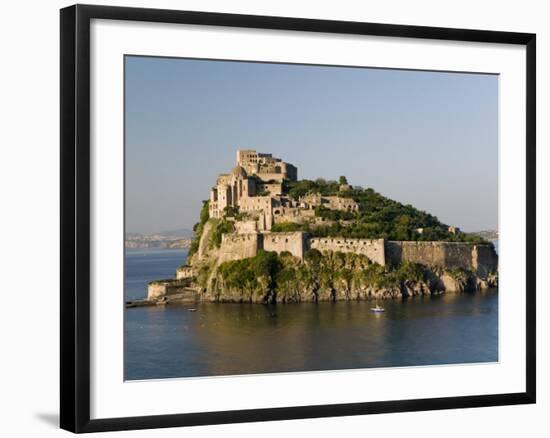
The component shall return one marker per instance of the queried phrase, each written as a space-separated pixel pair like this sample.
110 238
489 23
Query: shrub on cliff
221 227
296 189
203 275
334 215
251 279
411 272
198 228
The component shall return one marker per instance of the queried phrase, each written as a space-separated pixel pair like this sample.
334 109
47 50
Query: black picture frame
75 217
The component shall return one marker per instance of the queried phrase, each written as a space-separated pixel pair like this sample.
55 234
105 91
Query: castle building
255 187
330 202
267 167
229 190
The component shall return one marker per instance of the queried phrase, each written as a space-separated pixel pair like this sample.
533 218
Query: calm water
222 339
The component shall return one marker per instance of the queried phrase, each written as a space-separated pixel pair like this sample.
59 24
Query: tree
343 180
231 211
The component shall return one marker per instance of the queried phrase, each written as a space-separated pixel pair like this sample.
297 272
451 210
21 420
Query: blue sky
425 138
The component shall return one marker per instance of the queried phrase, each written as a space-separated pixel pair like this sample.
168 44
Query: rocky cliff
330 276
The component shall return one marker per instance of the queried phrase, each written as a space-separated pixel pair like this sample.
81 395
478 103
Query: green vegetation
231 211
378 216
335 215
458 274
198 228
235 213
203 275
221 226
271 277
296 189
252 277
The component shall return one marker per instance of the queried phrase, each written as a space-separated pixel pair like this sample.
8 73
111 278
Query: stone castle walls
284 214
239 246
480 259
185 271
484 260
271 176
331 202
256 203
274 189
295 243
161 288
340 203
266 166
373 249
426 253
246 227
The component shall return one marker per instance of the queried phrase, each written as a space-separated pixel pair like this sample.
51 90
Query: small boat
192 310
377 309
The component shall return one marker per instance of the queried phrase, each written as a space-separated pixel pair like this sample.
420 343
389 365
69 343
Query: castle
255 187
255 196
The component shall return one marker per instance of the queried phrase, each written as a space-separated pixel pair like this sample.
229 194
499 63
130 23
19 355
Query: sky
429 139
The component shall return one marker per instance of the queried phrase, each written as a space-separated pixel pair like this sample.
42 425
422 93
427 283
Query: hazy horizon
429 139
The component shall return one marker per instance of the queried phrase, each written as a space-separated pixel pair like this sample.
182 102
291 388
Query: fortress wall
273 188
246 227
157 289
478 258
255 203
185 271
426 253
239 246
458 254
293 215
373 249
484 260
268 176
295 243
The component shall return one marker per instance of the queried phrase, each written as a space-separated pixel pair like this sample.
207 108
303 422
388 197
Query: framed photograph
268 218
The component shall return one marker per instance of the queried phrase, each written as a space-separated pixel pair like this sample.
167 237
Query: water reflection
225 339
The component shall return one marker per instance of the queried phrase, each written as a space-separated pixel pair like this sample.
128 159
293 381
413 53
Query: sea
233 339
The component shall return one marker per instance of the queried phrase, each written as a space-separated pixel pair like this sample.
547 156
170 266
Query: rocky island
264 236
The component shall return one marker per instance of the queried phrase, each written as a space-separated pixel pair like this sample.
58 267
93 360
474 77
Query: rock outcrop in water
282 240
330 276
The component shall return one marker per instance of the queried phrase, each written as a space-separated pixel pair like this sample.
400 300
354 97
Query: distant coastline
487 234
179 239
